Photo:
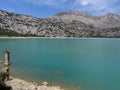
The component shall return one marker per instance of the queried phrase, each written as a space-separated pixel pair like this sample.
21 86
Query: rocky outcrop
64 24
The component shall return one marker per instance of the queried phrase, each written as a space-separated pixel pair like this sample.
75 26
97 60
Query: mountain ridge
63 24
96 21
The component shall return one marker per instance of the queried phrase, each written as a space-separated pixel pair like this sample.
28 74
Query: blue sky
45 8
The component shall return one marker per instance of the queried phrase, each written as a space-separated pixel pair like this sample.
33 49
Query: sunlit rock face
63 24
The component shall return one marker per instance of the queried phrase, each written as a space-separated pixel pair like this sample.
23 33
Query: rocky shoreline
19 84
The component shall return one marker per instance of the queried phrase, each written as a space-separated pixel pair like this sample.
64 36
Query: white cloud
84 3
8 9
91 6
97 6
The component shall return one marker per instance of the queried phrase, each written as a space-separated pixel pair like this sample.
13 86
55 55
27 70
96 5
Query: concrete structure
7 58
6 69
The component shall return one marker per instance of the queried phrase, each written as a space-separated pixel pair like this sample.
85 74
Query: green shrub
3 76
4 87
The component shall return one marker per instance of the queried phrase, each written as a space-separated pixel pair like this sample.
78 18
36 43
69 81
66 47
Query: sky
45 8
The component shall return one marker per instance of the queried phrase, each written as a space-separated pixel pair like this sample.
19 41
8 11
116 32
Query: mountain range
63 24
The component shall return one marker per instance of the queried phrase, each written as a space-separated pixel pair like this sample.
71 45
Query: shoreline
55 38
20 84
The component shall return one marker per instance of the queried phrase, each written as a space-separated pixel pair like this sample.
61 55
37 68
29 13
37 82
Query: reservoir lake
75 64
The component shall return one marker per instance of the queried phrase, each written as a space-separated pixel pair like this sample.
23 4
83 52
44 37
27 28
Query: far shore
34 37
55 38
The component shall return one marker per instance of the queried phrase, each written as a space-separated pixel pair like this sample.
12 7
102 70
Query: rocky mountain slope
64 24
109 20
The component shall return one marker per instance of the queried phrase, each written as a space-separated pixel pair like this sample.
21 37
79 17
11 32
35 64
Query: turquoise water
86 64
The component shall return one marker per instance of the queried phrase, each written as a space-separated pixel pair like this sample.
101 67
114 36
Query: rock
44 83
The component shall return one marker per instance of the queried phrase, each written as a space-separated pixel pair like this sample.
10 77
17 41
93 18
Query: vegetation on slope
3 77
10 33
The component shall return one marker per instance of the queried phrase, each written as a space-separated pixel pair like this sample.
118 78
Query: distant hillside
10 33
64 24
